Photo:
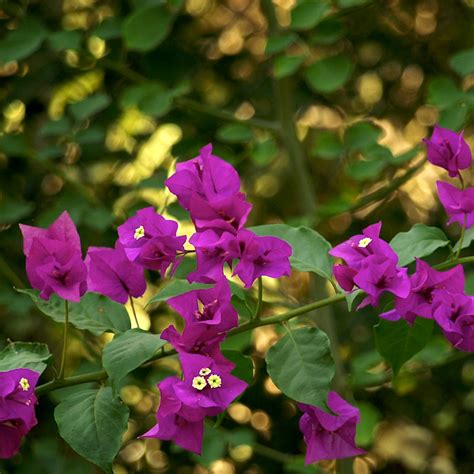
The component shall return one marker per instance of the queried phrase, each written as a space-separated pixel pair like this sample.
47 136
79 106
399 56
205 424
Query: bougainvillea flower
207 175
211 307
454 313
212 252
354 250
226 214
207 384
261 256
62 229
54 260
150 240
423 283
330 436
448 150
379 274
175 421
458 203
112 274
17 408
197 339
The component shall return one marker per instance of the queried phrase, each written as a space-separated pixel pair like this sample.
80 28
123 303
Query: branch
102 374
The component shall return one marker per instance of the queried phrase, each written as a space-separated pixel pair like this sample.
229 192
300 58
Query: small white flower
205 371
364 242
139 233
199 383
24 384
214 381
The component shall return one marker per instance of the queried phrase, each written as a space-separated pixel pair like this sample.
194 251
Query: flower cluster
450 151
209 188
17 408
371 264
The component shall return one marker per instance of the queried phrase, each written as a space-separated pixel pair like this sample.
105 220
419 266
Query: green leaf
264 152
276 44
467 241
329 74
361 136
95 312
127 351
25 355
14 145
443 92
22 42
308 13
419 241
397 342
12 211
310 249
176 288
463 62
351 3
352 298
364 170
327 146
151 98
62 40
110 28
235 133
90 106
369 417
54 128
243 365
285 66
327 32
93 422
301 366
146 28
454 116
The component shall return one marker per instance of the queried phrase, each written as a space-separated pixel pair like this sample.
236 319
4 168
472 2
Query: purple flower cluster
371 264
450 151
17 408
209 188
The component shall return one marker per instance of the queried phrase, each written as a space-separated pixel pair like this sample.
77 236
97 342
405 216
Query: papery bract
150 240
175 421
354 250
379 274
207 176
448 150
210 307
224 214
261 256
197 339
423 283
454 313
112 274
213 251
53 259
17 408
329 436
458 203
207 384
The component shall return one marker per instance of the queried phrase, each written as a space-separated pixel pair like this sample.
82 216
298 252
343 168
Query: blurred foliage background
321 106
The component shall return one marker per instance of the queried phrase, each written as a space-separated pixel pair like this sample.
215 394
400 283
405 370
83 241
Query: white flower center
214 381
205 371
139 233
24 384
364 242
199 383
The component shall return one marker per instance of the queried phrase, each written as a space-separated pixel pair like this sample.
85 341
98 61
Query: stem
66 326
461 238
258 309
454 262
102 374
14 279
134 312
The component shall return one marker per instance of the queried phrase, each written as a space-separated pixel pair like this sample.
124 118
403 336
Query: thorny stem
66 327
